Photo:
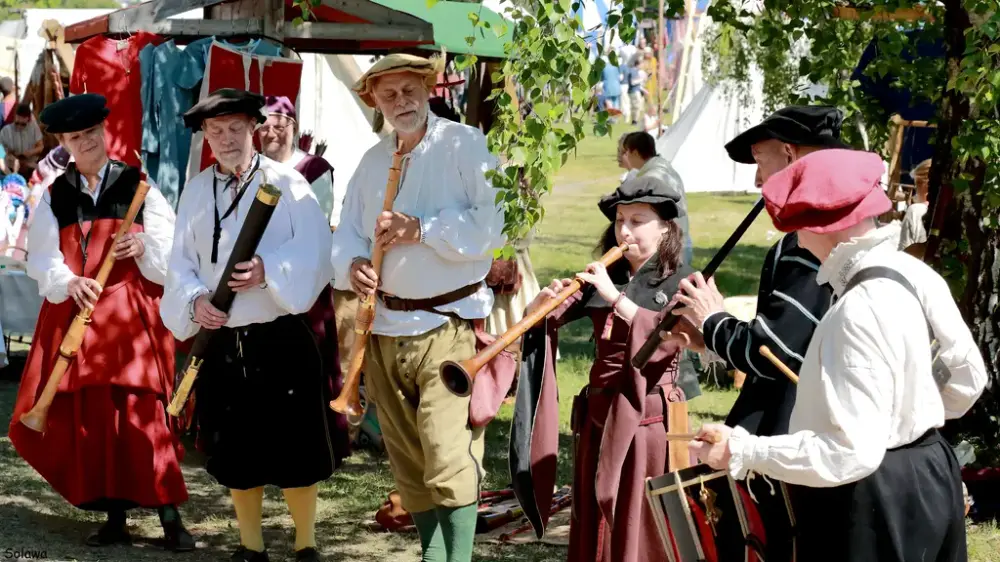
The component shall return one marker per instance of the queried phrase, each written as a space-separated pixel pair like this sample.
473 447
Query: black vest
71 205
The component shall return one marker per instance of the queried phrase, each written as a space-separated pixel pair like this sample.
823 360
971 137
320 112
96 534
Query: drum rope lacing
750 476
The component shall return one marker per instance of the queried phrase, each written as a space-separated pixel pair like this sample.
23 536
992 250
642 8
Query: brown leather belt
428 304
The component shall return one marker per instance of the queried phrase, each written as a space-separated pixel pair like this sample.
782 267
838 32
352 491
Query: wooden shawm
877 14
337 26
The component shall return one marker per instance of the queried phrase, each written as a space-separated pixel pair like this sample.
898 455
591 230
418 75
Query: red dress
619 426
110 67
108 444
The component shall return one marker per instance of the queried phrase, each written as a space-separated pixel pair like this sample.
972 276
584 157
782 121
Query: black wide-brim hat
644 189
74 113
803 125
226 101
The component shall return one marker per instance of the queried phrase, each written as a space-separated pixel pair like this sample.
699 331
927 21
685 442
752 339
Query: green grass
34 517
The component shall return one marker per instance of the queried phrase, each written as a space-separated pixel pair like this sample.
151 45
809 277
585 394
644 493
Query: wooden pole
659 70
683 73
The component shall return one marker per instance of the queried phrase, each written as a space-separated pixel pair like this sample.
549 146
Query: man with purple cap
875 479
277 142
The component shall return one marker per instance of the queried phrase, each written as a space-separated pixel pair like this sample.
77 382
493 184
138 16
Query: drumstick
709 438
779 364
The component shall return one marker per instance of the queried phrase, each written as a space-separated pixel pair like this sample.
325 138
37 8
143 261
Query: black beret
226 101
804 125
643 189
75 113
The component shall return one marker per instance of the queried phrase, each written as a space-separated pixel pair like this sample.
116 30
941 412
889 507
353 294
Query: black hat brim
740 148
74 113
226 102
665 207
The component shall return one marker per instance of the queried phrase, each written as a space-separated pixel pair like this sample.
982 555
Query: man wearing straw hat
261 418
439 241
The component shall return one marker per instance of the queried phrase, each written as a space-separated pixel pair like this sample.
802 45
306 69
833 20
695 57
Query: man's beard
412 125
231 162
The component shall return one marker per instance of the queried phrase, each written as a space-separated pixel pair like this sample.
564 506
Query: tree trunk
954 111
953 222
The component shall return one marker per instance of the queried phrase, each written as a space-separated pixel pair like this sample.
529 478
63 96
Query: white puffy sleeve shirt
444 185
292 249
47 266
866 384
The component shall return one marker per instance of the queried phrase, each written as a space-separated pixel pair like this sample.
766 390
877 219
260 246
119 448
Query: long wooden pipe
254 225
349 400
37 417
458 375
670 320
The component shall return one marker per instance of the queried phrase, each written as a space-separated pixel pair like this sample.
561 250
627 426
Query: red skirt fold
106 446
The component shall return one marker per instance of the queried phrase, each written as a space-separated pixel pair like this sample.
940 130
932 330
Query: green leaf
518 156
430 3
297 22
535 128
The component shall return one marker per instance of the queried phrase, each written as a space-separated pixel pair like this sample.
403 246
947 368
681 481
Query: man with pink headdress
277 142
873 478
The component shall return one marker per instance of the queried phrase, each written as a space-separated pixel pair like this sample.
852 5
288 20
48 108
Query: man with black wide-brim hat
790 303
262 414
107 445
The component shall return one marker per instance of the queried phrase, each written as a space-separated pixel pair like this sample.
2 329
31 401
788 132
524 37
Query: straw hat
394 64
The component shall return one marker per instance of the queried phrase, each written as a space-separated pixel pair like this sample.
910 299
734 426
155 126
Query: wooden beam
181 28
357 32
274 18
141 15
271 14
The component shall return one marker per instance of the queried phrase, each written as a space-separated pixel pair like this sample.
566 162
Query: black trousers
262 409
910 510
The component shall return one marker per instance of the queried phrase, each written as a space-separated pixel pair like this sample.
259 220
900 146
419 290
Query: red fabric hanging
110 67
230 68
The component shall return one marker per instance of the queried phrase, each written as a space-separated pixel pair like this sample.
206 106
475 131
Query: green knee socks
458 525
447 533
431 539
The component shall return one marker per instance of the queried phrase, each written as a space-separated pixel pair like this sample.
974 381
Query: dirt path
36 521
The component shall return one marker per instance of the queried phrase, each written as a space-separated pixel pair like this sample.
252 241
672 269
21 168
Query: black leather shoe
109 534
309 554
244 554
177 538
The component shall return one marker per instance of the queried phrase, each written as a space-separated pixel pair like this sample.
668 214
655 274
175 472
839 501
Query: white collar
227 178
85 186
297 157
845 259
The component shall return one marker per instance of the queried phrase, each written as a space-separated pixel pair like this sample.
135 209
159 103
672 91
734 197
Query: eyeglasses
276 129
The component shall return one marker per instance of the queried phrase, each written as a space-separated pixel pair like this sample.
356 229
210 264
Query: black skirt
911 509
262 407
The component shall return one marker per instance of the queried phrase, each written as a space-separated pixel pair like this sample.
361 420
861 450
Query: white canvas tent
709 117
334 113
